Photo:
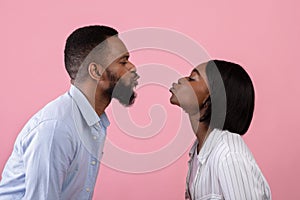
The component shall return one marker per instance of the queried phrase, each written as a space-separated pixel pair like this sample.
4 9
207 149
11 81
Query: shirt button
88 189
93 162
95 137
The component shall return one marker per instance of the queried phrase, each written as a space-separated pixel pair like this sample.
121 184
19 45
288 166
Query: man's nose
131 67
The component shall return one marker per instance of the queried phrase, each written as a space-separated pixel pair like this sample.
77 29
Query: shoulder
56 115
230 146
46 131
52 125
48 138
60 108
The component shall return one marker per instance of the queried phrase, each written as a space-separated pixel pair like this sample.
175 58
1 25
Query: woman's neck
200 129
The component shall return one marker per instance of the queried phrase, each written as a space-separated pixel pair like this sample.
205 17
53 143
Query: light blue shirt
58 152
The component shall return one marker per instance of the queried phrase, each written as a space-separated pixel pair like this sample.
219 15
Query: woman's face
192 91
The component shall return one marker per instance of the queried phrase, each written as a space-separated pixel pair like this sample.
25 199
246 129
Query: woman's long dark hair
233 108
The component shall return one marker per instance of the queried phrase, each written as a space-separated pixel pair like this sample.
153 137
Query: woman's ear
205 109
94 70
206 102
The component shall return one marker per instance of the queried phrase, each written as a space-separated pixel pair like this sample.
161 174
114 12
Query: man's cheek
103 85
127 79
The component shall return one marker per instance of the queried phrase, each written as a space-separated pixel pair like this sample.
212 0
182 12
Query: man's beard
120 91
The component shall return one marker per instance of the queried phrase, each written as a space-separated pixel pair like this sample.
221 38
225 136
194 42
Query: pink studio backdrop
263 36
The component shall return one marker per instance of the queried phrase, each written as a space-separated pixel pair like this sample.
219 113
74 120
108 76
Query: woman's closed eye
190 79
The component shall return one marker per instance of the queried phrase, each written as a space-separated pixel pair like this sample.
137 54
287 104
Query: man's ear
94 70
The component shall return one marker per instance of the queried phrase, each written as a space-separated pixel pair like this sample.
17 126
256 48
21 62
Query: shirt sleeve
47 153
240 178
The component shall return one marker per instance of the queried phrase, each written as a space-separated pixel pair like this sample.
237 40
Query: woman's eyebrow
196 71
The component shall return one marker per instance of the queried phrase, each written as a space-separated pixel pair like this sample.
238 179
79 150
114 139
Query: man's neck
96 97
101 101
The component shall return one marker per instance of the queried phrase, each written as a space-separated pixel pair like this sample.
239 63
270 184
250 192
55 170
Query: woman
219 99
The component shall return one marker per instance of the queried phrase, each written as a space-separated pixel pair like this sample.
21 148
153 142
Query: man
58 152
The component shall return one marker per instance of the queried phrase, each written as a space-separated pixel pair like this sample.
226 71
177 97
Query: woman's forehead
200 69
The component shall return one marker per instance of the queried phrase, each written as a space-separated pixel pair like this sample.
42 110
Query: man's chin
126 100
125 94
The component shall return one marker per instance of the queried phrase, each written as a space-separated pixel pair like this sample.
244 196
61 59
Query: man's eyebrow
124 56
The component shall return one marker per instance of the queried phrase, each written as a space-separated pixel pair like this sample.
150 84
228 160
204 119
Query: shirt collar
86 108
104 120
207 147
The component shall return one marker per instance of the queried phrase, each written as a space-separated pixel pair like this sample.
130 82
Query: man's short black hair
239 100
81 42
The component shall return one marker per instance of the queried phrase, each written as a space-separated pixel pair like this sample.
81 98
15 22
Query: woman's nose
181 80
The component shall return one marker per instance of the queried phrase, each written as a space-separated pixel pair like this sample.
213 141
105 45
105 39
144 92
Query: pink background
263 36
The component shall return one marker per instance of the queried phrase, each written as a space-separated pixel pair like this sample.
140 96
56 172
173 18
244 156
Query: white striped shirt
225 169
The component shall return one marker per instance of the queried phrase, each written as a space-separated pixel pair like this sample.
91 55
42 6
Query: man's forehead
116 49
116 44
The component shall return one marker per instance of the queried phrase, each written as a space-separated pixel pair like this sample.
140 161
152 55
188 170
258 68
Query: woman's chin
173 100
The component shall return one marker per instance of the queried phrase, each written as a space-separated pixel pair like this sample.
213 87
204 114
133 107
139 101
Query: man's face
120 73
